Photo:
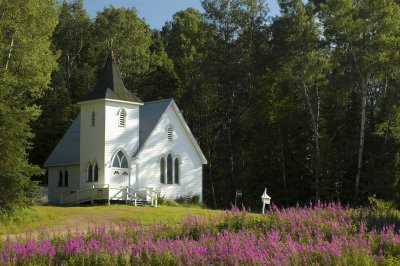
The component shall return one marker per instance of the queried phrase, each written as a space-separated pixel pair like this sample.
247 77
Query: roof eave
110 100
60 164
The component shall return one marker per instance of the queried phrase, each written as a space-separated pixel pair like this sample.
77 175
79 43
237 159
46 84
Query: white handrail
78 195
153 195
131 194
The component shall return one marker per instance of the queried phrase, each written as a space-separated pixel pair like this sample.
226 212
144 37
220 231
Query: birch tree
365 36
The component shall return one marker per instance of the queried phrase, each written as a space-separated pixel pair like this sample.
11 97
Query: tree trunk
283 166
314 124
209 160
10 52
361 147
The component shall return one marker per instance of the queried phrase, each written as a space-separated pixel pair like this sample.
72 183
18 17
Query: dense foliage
325 234
26 64
305 103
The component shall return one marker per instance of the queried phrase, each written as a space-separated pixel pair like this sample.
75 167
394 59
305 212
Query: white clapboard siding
157 145
55 191
120 138
92 140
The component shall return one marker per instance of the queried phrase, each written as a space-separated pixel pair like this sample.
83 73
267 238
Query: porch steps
139 202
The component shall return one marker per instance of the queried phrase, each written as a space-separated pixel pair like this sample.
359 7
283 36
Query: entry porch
126 194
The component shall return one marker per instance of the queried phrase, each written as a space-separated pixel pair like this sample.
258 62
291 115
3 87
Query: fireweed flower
325 233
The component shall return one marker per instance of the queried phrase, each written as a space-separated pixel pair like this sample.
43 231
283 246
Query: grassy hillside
52 217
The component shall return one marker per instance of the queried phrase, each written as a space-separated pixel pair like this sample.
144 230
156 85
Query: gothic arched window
162 170
176 171
169 169
96 172
90 173
60 178
120 161
66 178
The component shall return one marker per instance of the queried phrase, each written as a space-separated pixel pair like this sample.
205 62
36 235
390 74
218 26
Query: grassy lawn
58 218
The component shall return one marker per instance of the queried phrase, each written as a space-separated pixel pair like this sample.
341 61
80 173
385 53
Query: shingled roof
67 150
110 85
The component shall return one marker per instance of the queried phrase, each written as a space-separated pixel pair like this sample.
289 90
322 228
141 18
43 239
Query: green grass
52 217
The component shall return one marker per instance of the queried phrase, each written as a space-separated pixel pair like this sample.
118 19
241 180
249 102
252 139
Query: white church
121 149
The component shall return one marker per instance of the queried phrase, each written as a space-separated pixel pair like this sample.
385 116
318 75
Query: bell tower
109 125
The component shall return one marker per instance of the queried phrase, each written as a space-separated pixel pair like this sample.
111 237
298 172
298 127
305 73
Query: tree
363 35
131 41
161 82
188 42
237 24
73 77
26 65
304 64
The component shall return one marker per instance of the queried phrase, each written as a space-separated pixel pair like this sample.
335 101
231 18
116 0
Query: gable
67 149
149 115
156 128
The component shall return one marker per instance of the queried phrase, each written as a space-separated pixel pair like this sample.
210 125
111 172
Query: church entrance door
120 177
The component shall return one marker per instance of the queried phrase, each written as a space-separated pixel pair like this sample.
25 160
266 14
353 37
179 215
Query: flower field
326 234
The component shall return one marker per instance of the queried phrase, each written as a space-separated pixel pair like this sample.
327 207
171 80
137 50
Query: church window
170 130
122 118
176 171
90 173
169 169
60 178
120 160
162 170
93 119
66 178
96 172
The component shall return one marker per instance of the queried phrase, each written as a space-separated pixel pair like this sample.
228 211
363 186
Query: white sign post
265 200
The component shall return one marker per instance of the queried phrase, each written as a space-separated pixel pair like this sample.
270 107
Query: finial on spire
111 48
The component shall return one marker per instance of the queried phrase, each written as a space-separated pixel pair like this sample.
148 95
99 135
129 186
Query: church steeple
110 85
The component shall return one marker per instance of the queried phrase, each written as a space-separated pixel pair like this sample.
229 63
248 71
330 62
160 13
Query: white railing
128 193
152 195
87 194
131 195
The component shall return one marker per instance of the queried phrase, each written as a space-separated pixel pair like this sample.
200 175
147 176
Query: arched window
93 119
169 169
120 160
66 178
176 171
170 130
122 118
96 172
162 170
90 173
60 178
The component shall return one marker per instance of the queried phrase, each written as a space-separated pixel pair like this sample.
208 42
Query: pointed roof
110 85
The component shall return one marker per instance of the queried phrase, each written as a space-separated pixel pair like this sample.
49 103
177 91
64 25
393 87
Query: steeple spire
110 85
